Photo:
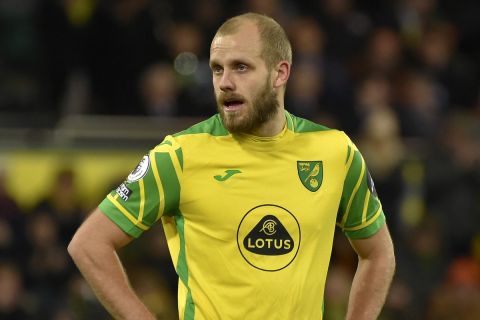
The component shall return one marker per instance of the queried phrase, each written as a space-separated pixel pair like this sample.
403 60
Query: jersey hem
368 231
116 216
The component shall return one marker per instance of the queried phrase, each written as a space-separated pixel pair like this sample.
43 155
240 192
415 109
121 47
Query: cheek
256 90
216 90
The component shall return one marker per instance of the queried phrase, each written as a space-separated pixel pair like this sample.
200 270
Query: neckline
261 139
267 143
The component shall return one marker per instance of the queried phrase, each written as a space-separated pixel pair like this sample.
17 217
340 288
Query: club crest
310 174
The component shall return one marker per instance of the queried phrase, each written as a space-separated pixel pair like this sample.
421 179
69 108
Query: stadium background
87 87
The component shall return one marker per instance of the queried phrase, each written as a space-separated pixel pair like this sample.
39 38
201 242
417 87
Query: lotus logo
269 227
268 237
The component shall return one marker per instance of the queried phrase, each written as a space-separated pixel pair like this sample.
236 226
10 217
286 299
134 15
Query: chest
223 186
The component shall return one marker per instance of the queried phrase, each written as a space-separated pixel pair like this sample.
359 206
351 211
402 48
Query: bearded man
249 200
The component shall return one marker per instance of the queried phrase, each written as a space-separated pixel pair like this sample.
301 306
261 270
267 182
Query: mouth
233 104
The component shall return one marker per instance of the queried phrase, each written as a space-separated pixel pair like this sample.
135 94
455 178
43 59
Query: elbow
74 248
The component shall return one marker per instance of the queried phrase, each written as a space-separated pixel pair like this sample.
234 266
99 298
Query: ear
281 74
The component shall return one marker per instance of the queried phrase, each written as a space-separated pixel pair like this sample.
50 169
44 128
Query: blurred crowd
402 78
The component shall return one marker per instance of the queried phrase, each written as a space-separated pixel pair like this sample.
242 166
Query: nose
226 82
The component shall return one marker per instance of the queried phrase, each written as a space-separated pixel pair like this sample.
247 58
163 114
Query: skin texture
241 76
375 270
93 248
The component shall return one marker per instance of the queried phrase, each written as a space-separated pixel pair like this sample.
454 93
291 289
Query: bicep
98 228
378 245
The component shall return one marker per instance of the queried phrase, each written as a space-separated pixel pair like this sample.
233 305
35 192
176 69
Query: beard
263 107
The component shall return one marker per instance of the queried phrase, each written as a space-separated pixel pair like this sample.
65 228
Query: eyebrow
214 63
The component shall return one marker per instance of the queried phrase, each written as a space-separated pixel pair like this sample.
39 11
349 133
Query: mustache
226 97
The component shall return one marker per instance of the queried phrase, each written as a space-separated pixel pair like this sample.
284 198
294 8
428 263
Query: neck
273 126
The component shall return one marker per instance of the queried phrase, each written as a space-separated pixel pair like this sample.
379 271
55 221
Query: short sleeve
150 191
360 212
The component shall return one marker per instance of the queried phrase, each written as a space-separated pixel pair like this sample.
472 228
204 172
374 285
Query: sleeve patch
123 192
140 171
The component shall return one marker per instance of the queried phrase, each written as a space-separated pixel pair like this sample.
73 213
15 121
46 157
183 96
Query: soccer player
249 200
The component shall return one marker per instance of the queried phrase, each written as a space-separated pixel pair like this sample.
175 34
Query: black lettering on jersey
124 192
269 237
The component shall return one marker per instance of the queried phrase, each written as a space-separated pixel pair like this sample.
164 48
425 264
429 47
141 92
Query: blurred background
88 86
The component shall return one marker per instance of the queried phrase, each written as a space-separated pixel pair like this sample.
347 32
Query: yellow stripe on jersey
354 193
142 200
366 223
161 194
176 164
365 207
168 146
127 214
350 157
348 164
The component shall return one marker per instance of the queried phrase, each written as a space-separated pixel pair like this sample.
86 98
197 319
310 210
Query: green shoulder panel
212 125
303 125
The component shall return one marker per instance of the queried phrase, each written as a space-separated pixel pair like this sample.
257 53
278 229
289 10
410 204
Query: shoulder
194 136
304 126
301 125
211 126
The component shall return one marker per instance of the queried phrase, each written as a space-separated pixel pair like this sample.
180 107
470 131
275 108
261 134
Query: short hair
275 44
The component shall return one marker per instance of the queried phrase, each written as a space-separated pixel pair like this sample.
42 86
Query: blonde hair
275 44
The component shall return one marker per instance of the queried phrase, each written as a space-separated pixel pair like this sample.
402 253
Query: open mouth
233 104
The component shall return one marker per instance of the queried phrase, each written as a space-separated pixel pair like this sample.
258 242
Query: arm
376 266
93 249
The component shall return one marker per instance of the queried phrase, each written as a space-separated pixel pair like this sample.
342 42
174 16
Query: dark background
402 78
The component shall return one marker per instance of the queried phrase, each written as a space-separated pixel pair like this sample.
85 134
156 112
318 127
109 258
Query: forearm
370 288
102 269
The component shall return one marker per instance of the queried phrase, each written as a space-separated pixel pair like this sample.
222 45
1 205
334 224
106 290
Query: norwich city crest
310 174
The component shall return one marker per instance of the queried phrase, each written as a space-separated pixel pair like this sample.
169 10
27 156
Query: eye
242 67
217 70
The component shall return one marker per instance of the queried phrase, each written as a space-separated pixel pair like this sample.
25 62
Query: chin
237 124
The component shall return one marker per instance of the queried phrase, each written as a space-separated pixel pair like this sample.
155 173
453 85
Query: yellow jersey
250 220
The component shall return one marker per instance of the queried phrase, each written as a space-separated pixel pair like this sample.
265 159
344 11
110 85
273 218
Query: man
249 200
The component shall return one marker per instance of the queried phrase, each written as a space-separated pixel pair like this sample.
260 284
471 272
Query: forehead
244 43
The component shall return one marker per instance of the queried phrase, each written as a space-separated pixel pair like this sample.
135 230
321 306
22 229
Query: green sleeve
360 212
151 190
